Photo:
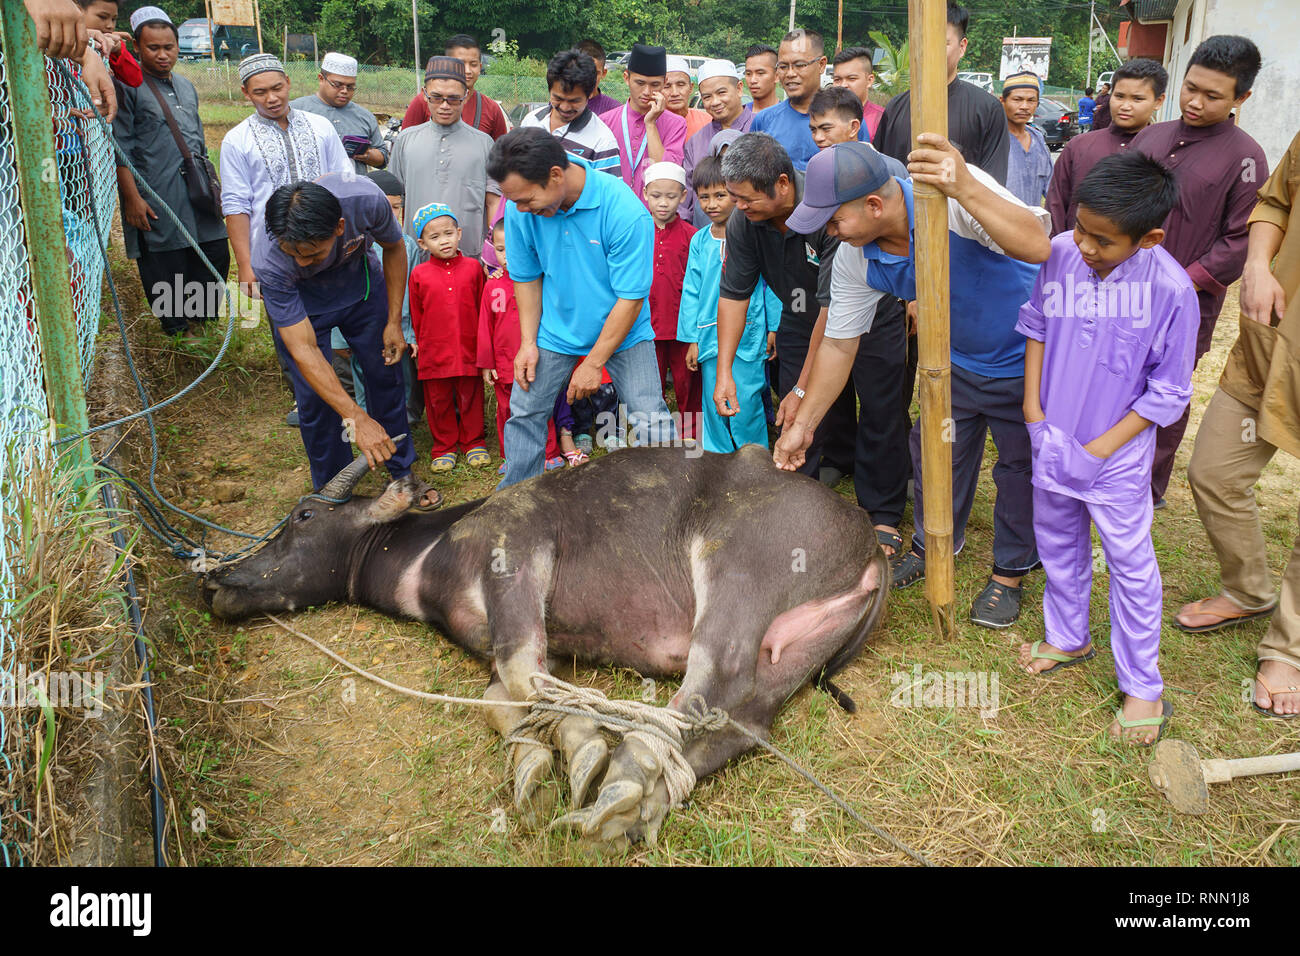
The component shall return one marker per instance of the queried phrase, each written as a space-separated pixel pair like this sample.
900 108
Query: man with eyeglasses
479 111
356 126
445 160
800 62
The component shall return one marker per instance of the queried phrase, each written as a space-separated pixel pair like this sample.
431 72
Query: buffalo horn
341 485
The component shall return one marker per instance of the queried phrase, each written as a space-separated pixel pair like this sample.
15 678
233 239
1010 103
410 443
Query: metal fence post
38 178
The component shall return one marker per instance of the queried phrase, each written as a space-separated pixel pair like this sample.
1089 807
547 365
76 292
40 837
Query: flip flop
1290 689
1231 621
444 463
478 457
423 488
1064 660
1162 722
553 463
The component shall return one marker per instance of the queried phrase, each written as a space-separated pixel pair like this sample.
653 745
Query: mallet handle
1221 771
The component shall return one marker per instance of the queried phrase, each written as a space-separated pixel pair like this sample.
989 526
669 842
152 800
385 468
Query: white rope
663 731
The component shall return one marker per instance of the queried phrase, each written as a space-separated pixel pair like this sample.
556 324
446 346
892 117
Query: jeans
635 371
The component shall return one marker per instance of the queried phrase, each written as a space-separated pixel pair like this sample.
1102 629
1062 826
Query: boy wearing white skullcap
356 126
665 186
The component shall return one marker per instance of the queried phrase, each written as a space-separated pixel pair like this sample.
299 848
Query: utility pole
415 29
790 29
1092 15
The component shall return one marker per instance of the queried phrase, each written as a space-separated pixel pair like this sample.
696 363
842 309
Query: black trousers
870 445
908 390
179 287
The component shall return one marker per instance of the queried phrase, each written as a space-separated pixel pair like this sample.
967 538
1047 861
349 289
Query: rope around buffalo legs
662 730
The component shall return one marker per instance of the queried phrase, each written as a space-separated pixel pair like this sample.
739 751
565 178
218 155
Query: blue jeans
635 372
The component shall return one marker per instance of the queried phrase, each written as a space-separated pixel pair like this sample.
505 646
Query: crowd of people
753 258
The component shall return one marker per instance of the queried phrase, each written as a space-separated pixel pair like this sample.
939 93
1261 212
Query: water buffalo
750 580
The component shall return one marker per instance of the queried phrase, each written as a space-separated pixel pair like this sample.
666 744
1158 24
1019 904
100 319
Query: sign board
233 13
1026 54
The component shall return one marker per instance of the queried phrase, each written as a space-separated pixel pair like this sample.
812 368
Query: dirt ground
278 756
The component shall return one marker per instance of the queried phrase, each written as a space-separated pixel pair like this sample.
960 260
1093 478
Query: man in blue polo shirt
581 252
800 64
995 242
312 255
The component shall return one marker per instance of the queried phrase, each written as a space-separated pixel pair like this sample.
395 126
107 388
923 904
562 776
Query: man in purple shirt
599 102
644 129
1139 91
1219 169
1110 329
312 255
719 83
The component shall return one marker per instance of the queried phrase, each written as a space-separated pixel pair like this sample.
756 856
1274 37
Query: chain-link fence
87 187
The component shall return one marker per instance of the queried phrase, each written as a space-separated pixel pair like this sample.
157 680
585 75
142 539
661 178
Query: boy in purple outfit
1111 336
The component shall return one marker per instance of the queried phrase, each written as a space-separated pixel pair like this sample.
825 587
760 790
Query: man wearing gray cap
356 126
445 159
996 243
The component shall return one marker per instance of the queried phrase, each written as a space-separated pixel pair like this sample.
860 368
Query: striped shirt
586 137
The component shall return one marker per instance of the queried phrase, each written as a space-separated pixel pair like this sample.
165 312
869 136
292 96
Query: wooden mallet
1178 772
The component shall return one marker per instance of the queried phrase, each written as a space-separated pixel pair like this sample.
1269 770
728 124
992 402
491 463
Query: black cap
648 60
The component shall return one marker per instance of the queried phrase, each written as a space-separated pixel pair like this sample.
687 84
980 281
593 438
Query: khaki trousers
1226 463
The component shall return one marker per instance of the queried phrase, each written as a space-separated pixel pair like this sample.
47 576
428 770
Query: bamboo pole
33 139
927 21
212 42
839 28
257 18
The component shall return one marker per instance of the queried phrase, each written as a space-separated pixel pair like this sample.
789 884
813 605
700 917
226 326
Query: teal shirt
697 321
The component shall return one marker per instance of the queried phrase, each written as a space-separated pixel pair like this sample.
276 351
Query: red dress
445 296
498 344
672 249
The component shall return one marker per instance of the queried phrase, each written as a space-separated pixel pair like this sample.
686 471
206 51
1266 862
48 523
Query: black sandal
422 490
908 569
997 606
890 539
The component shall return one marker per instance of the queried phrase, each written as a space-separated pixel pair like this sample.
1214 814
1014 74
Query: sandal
576 457
502 469
908 569
1162 722
444 463
890 539
997 606
556 462
478 457
1063 660
1231 620
423 490
1269 712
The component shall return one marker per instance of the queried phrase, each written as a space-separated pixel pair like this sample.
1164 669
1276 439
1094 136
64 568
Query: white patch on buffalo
699 579
407 596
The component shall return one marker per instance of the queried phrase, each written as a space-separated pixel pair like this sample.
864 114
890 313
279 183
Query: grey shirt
350 120
141 130
445 164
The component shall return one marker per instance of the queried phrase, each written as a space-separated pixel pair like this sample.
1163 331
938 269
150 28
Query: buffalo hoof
632 804
534 799
587 764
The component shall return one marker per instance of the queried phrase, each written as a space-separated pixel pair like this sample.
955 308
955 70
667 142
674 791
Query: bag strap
167 115
478 108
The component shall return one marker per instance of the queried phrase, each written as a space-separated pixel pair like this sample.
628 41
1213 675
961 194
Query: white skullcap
678 64
148 15
339 64
665 170
712 69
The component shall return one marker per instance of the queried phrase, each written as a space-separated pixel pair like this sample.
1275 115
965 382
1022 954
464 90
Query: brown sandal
1267 711
1231 620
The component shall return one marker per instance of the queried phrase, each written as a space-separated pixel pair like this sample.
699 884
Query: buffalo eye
304 515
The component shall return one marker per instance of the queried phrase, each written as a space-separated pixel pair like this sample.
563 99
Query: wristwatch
798 391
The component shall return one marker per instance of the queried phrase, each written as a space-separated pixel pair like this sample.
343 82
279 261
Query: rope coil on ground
666 725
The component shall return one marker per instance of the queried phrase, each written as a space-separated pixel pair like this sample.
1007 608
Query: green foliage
893 72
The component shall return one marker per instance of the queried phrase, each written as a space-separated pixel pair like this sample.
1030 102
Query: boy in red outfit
445 294
665 186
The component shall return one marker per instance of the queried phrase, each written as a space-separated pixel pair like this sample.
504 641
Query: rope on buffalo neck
664 731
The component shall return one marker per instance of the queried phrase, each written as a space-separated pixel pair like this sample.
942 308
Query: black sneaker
997 606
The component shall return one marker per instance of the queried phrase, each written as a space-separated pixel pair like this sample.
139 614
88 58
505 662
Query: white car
983 80
1106 77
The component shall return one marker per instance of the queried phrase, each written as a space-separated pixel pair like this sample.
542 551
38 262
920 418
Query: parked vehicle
983 80
1059 125
1106 77
230 43
516 115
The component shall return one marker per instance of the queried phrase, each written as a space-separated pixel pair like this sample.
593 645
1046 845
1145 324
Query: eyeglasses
797 65
437 99
349 87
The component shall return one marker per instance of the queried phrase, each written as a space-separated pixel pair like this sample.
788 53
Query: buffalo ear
394 502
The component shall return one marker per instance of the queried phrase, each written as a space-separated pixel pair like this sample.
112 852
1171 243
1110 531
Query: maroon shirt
672 249
490 118
1101 112
1075 162
1219 170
